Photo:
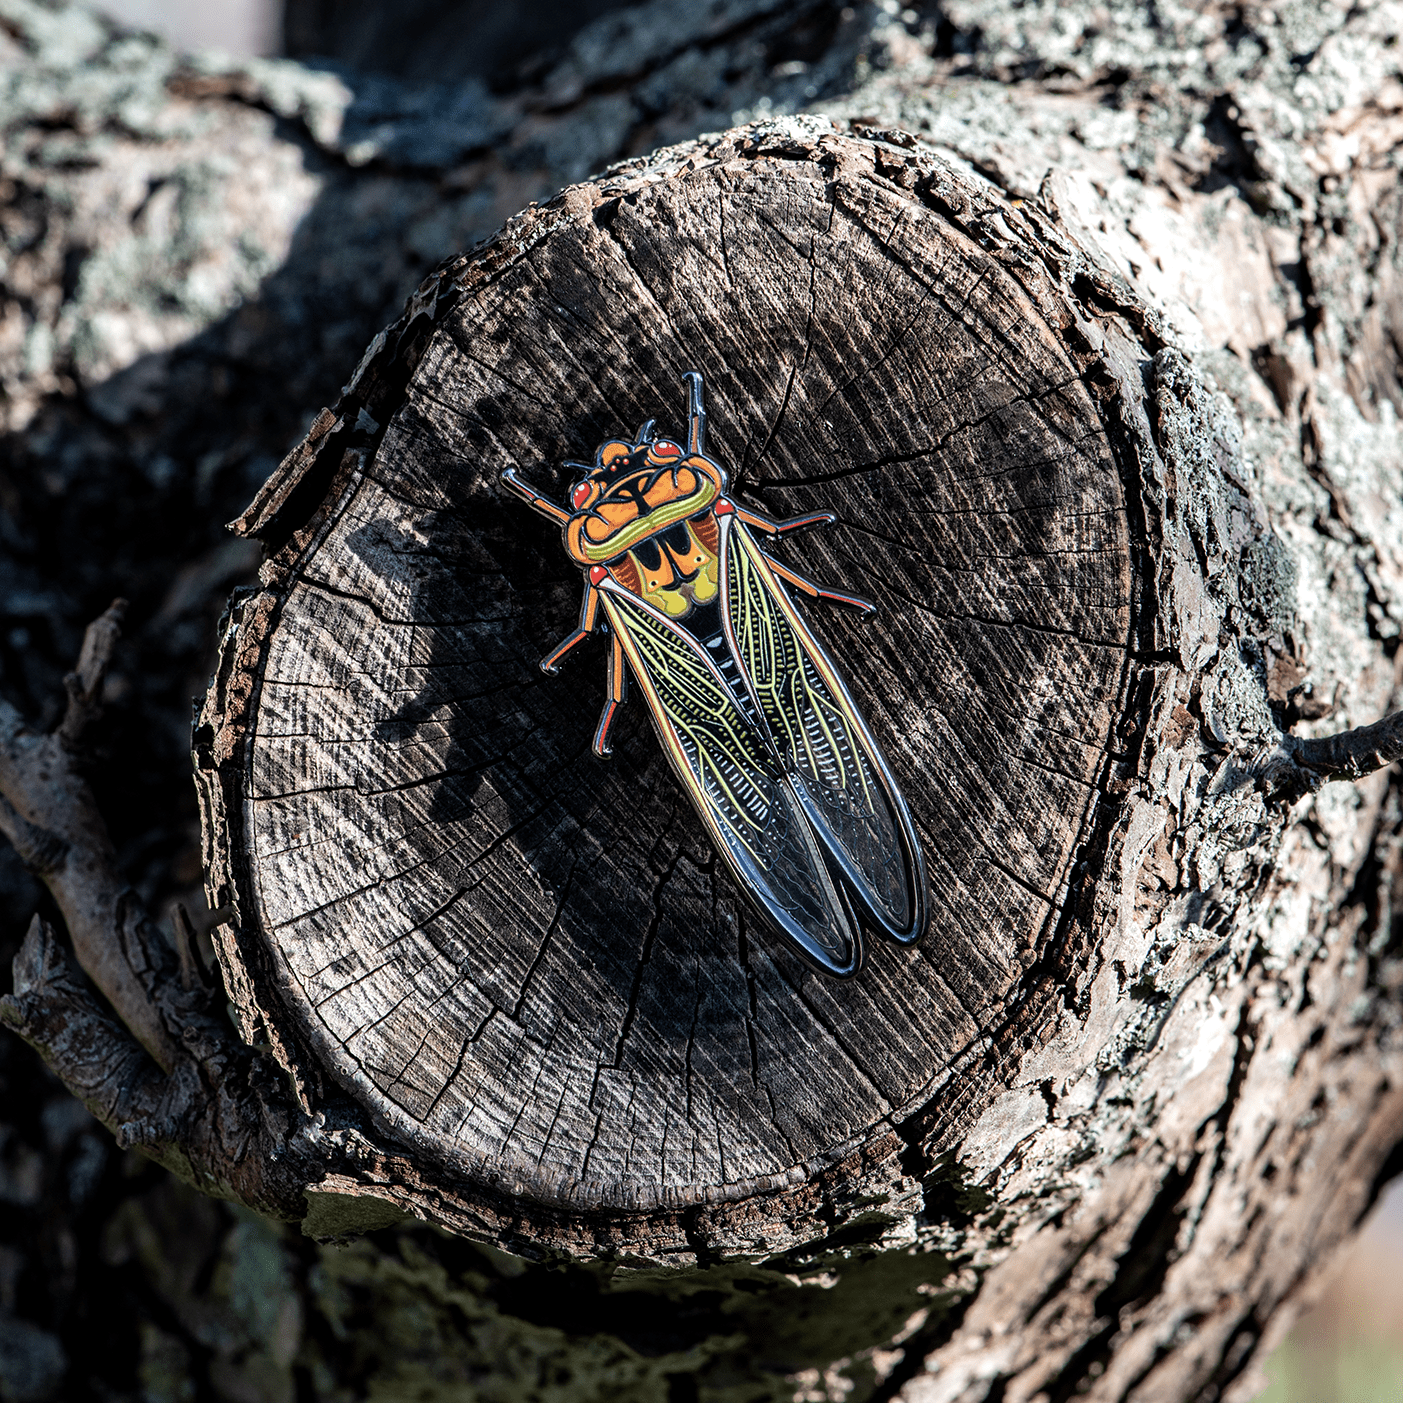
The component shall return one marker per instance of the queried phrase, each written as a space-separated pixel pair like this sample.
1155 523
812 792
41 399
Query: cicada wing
836 768
755 820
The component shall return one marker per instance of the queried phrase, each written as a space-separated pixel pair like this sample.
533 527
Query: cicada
756 720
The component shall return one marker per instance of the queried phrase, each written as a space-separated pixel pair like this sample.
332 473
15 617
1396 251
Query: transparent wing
738 787
837 771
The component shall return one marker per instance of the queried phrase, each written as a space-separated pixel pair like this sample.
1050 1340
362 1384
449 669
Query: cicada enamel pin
753 715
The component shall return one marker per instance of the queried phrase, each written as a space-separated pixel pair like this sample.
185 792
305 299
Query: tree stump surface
525 963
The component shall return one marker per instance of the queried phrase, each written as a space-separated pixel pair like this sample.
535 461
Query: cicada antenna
645 432
696 413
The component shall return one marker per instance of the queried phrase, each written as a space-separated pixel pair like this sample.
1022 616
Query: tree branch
165 1074
220 1118
84 684
207 1107
1299 767
48 812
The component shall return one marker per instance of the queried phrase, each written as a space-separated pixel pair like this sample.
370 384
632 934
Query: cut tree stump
1116 1171
525 964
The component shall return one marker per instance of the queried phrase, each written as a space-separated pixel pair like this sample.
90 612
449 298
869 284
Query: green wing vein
833 760
738 785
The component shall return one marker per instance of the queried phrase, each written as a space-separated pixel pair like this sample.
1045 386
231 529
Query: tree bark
1105 398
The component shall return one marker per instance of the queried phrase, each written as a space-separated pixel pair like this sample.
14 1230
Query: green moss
346 1215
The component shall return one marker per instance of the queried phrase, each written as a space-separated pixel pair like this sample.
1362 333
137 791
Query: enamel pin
756 720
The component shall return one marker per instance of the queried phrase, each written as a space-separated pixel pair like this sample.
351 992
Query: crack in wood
649 936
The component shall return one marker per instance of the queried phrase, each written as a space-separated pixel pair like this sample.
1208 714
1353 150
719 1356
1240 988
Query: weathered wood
523 962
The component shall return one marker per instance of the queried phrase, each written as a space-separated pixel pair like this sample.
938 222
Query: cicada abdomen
754 716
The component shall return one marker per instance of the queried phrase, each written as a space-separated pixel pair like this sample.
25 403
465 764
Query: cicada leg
589 608
618 694
771 527
836 596
532 498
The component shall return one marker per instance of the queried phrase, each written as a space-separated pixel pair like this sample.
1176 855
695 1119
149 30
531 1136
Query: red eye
663 448
581 494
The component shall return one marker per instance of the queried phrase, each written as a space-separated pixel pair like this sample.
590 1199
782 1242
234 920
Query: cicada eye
665 448
580 495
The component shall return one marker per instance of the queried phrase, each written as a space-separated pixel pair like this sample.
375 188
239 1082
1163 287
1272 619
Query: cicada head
635 490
